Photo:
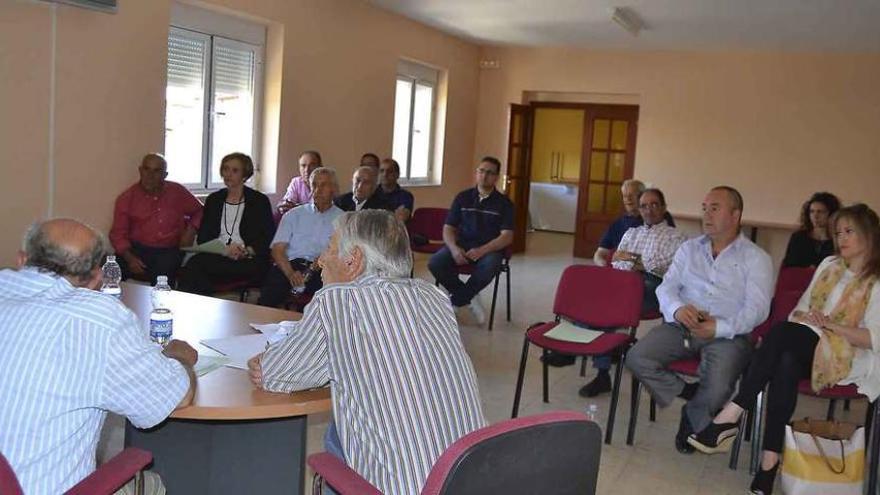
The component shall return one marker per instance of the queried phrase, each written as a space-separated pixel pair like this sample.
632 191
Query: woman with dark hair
241 218
812 243
832 337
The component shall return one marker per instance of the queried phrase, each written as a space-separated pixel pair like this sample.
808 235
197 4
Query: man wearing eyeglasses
478 228
649 249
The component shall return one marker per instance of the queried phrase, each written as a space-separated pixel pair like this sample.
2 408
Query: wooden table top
225 393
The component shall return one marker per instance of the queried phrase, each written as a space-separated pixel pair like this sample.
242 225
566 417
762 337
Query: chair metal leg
546 376
737 442
317 484
652 413
747 434
615 396
139 488
635 395
757 426
583 365
519 378
873 449
508 292
494 300
832 404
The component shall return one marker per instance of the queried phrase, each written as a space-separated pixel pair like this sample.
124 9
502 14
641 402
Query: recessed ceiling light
626 18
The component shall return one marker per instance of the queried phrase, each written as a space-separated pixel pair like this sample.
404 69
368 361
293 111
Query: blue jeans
649 303
443 267
332 445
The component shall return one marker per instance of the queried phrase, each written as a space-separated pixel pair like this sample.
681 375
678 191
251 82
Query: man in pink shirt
298 192
151 220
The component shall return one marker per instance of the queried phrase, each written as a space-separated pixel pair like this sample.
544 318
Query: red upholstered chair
108 478
428 224
596 297
794 278
551 453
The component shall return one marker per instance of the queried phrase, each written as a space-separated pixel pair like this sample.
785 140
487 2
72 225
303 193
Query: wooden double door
607 159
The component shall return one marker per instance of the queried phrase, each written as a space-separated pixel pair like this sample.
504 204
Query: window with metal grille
212 104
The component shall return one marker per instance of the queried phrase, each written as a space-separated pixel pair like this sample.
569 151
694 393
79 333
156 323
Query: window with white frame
415 105
212 95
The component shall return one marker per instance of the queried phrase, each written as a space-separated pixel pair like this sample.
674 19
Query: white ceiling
790 25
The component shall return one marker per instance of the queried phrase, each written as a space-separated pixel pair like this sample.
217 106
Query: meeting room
414 247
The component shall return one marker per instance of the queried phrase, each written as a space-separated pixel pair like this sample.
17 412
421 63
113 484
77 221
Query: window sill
412 184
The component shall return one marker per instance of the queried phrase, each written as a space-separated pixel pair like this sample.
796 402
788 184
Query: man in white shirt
716 291
70 354
302 236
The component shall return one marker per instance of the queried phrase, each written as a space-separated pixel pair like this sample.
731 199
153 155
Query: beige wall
776 126
339 60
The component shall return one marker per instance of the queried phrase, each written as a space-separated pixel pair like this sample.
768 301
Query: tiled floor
651 465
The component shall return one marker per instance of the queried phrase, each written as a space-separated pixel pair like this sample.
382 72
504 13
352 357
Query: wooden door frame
524 148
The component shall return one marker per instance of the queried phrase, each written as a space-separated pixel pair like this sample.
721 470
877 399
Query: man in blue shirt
478 228
303 234
716 291
399 200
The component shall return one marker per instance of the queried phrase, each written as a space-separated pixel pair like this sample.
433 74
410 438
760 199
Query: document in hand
213 247
239 348
568 332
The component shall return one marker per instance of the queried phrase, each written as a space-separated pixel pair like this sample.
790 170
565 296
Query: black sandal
762 483
715 438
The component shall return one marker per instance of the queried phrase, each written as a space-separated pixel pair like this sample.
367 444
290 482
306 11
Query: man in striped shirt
403 386
69 354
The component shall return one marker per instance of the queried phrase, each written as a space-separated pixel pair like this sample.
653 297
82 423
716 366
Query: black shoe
600 385
715 438
681 438
762 483
558 360
689 390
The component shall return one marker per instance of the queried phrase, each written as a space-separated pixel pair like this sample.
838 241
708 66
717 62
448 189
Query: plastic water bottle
161 318
593 412
112 275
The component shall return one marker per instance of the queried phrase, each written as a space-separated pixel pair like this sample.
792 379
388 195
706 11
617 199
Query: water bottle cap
162 280
111 257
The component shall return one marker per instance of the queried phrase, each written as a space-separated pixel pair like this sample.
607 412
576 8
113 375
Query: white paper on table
239 348
275 331
207 364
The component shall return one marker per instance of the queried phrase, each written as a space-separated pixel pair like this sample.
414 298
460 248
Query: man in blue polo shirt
400 201
479 226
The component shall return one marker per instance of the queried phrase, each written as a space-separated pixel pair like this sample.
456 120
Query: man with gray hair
302 236
364 193
402 385
70 354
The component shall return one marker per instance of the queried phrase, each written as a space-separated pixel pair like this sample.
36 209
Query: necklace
234 219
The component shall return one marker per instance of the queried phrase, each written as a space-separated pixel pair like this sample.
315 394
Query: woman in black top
241 218
812 243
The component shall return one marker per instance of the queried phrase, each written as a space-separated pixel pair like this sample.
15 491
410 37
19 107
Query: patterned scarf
833 357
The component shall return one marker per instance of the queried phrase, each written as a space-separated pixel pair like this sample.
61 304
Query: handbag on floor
823 458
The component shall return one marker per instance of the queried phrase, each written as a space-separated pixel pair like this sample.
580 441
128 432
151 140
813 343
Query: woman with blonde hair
832 337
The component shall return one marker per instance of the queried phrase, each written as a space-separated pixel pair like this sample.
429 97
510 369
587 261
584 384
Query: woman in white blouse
839 315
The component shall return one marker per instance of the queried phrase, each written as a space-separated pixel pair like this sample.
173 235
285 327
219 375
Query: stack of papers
238 349
568 332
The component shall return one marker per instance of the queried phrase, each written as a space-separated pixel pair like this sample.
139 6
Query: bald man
69 354
364 193
152 219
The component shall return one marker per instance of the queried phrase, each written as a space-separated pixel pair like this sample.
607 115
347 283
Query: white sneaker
477 311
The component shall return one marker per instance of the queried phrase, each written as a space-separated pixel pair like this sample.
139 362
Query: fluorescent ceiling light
627 19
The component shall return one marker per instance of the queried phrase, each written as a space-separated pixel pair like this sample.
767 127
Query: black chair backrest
559 458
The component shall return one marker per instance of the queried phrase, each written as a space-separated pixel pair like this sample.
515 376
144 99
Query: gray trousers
721 363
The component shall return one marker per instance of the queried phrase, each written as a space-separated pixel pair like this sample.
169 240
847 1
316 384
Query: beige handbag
823 458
